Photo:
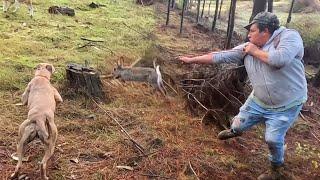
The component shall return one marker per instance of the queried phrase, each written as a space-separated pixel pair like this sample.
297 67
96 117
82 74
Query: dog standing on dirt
41 98
7 3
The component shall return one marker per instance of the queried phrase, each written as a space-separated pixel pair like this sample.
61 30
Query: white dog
41 98
7 4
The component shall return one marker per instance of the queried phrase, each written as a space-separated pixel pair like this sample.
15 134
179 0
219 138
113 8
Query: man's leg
277 125
249 115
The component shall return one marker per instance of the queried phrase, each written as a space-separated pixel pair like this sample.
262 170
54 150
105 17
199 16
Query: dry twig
137 145
190 166
315 136
90 40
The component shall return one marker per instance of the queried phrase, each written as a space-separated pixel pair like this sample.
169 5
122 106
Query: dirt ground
176 145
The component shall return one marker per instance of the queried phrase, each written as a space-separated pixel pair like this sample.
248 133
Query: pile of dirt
306 6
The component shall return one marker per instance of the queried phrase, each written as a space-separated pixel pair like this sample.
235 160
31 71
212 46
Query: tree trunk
85 78
270 6
221 2
230 23
258 6
168 12
204 3
182 14
215 16
209 9
290 12
198 11
173 2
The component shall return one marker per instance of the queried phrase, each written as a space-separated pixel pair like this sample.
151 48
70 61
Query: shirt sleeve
289 47
234 55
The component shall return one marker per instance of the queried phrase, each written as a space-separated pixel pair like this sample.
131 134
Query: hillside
91 145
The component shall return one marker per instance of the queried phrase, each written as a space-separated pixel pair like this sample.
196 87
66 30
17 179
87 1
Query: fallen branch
195 99
170 86
154 175
86 39
88 44
137 145
302 116
190 166
145 155
130 28
315 136
221 93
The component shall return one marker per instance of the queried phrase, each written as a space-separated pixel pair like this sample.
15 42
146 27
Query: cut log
85 78
61 10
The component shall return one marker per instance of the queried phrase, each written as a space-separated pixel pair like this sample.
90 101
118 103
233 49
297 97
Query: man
273 60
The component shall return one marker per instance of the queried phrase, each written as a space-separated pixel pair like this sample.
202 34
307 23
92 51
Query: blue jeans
277 124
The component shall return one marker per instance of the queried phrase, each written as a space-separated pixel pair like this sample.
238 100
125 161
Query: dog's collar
43 76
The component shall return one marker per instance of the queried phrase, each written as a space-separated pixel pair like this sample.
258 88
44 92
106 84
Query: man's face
256 37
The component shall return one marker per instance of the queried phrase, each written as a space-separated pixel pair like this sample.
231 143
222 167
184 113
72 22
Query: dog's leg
49 148
25 95
57 96
24 133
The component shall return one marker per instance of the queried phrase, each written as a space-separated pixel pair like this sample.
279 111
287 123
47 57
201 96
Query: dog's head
44 69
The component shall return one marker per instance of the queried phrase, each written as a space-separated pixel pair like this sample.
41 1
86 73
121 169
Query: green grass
56 39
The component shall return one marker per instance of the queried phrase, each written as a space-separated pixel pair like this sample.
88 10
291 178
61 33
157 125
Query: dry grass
170 135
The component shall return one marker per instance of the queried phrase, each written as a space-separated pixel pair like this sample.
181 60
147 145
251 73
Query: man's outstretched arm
203 59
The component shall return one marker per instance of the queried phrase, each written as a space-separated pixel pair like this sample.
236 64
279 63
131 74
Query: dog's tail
43 128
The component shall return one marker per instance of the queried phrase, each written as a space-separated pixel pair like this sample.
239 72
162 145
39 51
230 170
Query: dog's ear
50 68
36 67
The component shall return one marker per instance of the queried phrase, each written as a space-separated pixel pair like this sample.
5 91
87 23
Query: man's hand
251 49
185 59
255 51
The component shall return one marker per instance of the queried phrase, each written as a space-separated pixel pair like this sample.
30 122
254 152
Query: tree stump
85 78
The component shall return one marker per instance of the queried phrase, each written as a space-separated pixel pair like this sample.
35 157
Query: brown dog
41 98
7 4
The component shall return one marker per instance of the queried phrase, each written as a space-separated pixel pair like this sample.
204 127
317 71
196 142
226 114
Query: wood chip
125 167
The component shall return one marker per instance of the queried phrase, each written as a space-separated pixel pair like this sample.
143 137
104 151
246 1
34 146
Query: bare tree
258 6
168 12
215 16
270 5
230 23
203 5
198 11
221 2
290 12
210 1
182 14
